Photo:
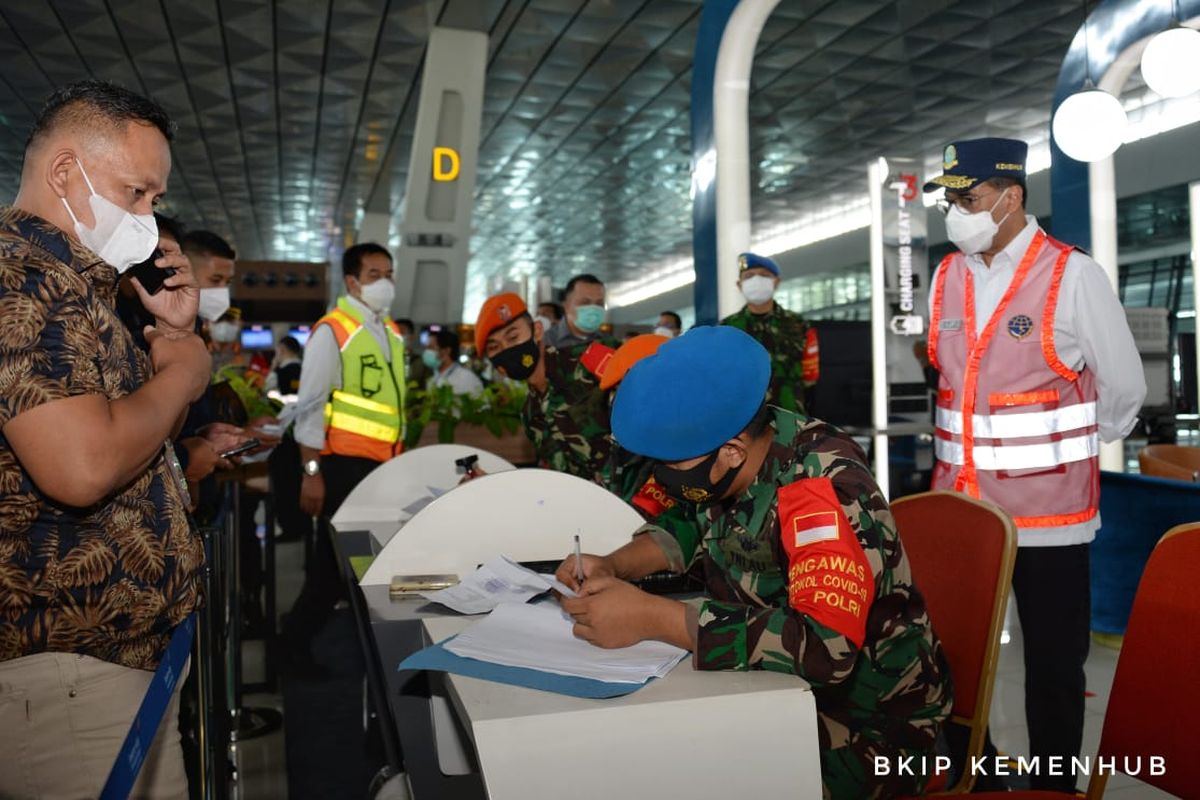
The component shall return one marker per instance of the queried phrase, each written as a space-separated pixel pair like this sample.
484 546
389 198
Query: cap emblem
950 157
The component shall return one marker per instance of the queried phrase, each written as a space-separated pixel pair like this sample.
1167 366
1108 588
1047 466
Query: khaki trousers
63 717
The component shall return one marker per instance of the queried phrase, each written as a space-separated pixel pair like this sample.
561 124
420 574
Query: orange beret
498 310
627 355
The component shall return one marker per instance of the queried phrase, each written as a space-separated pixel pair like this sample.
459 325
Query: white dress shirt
321 374
1089 330
458 378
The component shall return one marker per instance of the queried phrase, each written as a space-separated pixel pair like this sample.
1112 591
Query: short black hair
448 340
207 243
555 307
86 103
759 423
674 316
578 279
171 226
405 322
292 344
353 257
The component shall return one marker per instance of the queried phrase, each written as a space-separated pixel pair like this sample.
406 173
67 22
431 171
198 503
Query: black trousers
284 465
323 586
1054 602
1053 593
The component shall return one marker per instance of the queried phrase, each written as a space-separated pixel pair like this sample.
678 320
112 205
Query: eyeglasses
969 203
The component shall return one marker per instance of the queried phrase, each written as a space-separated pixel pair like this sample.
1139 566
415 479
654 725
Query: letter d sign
445 163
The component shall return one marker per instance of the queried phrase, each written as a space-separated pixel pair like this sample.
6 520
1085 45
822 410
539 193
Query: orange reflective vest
365 418
1015 425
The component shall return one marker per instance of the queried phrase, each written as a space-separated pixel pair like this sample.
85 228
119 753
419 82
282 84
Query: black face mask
694 485
518 361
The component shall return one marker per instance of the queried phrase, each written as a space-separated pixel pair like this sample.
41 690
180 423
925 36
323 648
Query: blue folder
438 659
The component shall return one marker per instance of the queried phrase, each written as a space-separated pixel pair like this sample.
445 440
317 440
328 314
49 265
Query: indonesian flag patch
829 578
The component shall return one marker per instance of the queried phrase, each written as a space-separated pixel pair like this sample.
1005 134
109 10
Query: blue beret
695 393
750 261
968 163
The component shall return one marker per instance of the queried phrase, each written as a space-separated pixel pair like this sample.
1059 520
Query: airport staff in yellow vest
350 414
350 417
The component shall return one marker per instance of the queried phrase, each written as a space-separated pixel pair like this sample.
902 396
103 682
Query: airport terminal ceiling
293 114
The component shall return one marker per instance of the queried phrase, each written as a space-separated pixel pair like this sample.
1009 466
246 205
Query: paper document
539 636
500 580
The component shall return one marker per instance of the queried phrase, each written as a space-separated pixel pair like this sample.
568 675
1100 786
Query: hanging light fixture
1171 61
1090 124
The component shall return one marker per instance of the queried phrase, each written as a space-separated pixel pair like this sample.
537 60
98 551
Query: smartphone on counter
244 447
151 276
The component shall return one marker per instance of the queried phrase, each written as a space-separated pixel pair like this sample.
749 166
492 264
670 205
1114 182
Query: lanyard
145 724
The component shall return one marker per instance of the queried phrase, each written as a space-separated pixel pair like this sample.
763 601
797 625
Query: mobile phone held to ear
151 276
244 447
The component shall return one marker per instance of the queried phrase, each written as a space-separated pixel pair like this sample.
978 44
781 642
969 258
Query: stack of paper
500 580
539 636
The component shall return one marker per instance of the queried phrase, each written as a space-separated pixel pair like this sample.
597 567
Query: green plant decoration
497 408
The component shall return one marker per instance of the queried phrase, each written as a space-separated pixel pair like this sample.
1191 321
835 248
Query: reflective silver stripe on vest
1021 456
1026 423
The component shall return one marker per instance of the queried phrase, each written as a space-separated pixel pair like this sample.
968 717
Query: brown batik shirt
110 581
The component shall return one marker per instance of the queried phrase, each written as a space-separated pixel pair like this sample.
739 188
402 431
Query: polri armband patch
829 578
596 357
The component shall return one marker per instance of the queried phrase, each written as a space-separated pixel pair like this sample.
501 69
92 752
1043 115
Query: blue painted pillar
713 20
1112 28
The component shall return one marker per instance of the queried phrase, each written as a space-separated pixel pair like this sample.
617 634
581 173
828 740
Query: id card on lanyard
176 470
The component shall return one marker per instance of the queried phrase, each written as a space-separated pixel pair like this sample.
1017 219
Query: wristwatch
312 467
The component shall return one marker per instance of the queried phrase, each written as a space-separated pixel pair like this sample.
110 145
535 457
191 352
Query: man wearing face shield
791 341
100 565
1036 366
566 412
583 313
797 550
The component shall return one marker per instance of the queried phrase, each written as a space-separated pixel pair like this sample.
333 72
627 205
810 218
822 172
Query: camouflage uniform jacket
568 423
792 343
886 696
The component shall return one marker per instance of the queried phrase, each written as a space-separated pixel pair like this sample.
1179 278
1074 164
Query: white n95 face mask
662 330
119 237
378 296
213 303
758 289
973 233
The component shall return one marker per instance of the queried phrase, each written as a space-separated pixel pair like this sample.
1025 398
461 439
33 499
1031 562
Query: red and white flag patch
820 526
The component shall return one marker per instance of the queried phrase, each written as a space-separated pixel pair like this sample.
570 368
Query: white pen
578 562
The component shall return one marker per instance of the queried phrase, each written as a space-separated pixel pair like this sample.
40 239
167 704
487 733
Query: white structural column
1194 207
877 173
731 130
1102 207
435 230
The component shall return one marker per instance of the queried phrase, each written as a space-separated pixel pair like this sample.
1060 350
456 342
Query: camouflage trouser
850 773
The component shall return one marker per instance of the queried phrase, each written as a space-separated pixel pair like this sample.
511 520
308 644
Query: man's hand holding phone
175 304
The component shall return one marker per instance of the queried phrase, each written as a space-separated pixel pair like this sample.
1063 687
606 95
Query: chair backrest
962 552
1155 701
1170 461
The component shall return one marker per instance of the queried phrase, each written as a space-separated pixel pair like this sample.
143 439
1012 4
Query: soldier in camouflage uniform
566 412
803 570
791 341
